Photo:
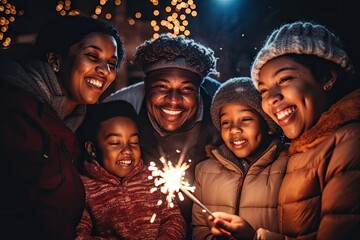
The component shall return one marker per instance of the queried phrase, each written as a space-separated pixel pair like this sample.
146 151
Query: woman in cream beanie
309 89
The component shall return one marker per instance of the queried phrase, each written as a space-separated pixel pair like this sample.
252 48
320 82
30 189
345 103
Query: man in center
173 103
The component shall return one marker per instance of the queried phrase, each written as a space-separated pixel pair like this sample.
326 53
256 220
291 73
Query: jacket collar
344 111
225 157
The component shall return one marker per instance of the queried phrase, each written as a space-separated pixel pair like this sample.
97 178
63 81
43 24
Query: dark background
234 29
237 32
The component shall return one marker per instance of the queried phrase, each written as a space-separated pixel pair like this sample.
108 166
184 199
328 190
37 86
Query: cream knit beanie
301 38
239 90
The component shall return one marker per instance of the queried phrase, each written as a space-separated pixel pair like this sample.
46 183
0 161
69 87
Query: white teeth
239 142
124 162
280 115
95 82
171 112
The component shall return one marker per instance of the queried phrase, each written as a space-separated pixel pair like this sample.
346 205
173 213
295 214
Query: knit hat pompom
301 38
239 90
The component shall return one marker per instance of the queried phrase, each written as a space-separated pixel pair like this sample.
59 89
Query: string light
8 15
104 7
171 19
64 8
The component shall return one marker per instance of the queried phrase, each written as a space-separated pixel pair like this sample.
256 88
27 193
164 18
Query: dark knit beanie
98 113
301 38
242 91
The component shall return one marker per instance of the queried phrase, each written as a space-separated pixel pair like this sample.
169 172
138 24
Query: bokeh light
8 14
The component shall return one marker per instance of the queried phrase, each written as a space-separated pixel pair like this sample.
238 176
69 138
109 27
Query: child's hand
230 225
217 228
264 234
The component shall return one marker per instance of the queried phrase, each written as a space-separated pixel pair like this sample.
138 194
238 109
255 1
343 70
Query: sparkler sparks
153 218
171 179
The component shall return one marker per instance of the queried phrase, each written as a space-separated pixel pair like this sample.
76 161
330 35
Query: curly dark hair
59 33
170 48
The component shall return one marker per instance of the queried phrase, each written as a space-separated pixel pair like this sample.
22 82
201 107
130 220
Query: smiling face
172 97
89 68
291 95
118 143
243 130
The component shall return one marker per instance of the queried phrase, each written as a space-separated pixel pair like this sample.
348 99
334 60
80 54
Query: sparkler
171 180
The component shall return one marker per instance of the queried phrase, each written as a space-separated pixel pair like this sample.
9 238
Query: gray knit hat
175 52
301 38
239 90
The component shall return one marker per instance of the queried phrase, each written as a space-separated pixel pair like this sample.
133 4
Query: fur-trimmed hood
344 111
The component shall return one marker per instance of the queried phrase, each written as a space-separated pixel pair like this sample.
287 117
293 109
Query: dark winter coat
42 193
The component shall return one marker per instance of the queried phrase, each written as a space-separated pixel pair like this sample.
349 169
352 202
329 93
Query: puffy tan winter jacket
221 186
320 194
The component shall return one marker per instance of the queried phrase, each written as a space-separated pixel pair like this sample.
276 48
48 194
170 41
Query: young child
119 204
243 175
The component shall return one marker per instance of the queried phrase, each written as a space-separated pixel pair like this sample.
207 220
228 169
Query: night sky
237 31
234 29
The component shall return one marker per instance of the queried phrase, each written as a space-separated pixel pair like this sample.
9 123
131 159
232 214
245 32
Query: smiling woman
308 87
75 58
86 62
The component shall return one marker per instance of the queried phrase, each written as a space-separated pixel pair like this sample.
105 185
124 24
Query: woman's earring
56 69
327 87
329 81
90 150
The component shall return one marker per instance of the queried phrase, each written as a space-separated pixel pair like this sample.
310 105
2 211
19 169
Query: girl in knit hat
119 204
309 89
243 175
